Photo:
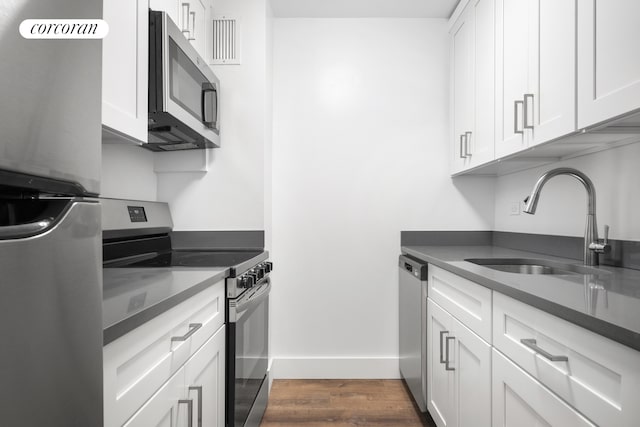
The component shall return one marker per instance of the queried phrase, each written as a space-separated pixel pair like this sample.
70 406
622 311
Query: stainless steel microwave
183 91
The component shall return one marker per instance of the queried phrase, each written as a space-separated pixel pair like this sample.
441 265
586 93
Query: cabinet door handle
198 389
193 327
525 114
185 20
467 143
515 116
192 28
446 363
442 333
462 144
532 344
189 403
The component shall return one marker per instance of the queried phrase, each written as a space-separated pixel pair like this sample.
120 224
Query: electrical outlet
514 209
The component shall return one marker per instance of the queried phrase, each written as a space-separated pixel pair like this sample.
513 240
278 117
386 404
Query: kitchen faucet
592 245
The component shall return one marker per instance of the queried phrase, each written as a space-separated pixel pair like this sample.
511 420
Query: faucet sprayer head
531 205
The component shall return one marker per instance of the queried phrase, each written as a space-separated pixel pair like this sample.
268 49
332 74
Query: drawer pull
189 403
442 359
446 364
199 390
193 327
531 343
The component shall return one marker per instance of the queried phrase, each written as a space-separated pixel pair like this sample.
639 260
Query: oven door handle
254 300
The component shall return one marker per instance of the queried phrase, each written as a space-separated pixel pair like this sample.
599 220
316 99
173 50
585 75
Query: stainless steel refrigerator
50 230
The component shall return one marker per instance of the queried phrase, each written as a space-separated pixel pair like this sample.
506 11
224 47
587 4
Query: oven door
247 357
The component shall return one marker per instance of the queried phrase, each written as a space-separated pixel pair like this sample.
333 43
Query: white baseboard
336 368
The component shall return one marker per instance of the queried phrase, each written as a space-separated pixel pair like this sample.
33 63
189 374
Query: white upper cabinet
551 107
125 70
462 90
512 68
608 60
472 53
193 18
535 71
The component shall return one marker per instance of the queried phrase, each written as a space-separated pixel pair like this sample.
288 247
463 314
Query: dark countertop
133 296
607 303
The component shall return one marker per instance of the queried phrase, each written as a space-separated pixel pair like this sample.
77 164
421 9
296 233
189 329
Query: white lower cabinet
521 401
204 381
164 408
597 376
534 369
458 372
180 401
170 367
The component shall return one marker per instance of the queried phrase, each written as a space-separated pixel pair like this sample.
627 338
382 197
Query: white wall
230 196
563 203
127 172
359 153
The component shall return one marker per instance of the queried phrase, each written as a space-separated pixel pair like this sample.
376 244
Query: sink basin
533 266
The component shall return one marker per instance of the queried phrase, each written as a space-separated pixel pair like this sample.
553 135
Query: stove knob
242 282
261 271
269 266
253 277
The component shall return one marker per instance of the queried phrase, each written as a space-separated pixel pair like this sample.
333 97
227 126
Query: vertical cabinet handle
198 389
442 334
446 363
515 116
185 20
525 113
189 403
467 144
462 146
192 28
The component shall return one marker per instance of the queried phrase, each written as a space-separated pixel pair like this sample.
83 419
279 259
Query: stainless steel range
137 234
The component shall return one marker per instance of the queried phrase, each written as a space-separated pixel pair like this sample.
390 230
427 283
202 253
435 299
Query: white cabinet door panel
512 74
609 64
440 382
125 68
205 381
458 372
462 68
482 140
521 401
600 378
552 77
472 362
164 408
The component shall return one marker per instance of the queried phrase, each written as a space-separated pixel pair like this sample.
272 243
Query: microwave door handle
209 93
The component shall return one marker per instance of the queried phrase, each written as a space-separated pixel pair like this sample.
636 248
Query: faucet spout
532 200
590 255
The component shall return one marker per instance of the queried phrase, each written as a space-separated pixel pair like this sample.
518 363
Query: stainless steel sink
533 266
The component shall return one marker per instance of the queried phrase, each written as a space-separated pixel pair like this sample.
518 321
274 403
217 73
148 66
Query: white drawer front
519 400
138 363
467 301
601 378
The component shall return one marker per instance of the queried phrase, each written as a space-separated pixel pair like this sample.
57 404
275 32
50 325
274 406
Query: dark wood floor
339 403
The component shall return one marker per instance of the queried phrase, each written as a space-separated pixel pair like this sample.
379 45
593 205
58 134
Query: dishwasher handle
413 266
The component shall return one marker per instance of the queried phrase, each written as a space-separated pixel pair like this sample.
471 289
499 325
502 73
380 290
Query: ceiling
363 8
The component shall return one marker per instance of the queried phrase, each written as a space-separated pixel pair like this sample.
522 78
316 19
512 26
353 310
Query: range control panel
137 214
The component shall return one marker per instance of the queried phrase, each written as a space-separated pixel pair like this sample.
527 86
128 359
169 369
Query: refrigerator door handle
25 230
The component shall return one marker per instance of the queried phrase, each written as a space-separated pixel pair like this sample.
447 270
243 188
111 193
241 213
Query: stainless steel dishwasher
413 327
